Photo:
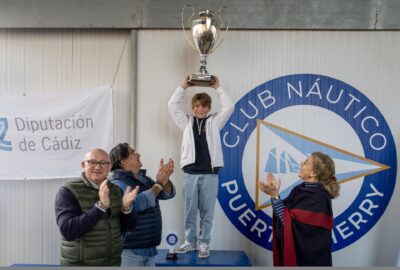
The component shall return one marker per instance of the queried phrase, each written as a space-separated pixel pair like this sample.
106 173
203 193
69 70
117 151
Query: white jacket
213 125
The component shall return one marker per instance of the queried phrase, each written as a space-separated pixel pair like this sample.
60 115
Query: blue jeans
129 258
200 194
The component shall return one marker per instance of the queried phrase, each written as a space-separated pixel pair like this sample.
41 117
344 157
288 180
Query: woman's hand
271 186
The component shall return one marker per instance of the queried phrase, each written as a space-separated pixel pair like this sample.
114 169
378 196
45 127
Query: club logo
172 239
4 144
279 124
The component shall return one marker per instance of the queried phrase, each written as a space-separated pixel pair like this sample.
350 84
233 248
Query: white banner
46 136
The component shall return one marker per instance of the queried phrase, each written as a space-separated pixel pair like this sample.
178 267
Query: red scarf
303 216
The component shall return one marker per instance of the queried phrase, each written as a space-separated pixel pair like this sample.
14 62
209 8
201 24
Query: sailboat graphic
286 163
294 148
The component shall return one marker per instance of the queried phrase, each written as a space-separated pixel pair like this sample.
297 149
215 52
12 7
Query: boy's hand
215 85
186 84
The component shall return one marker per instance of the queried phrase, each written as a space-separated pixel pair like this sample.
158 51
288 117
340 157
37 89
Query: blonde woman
302 223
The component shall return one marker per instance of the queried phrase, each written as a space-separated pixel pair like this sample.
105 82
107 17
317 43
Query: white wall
37 61
57 60
368 61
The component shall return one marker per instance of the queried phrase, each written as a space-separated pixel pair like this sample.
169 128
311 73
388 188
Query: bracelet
127 211
100 205
159 186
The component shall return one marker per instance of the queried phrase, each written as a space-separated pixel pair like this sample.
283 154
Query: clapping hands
128 197
165 171
271 186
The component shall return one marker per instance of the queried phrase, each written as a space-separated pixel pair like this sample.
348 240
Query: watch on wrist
100 205
159 186
127 211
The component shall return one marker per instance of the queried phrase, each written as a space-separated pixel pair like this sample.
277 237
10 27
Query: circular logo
278 124
172 239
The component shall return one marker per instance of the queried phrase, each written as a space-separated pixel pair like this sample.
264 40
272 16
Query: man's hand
104 194
165 171
129 197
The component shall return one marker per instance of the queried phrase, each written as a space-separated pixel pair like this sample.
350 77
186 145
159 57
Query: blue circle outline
172 239
233 156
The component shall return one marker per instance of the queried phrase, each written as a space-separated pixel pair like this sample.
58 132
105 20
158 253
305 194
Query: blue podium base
34 265
217 258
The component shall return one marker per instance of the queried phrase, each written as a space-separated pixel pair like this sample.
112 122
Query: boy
201 158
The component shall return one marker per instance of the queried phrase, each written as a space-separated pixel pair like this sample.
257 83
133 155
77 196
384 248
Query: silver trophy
205 39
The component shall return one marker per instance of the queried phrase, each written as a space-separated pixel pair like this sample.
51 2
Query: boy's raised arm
175 105
226 103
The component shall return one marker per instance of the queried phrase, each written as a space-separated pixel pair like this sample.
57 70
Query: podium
217 258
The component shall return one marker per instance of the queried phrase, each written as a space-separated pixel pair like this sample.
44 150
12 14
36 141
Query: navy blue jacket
147 232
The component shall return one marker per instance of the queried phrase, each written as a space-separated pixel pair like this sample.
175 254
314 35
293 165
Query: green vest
102 246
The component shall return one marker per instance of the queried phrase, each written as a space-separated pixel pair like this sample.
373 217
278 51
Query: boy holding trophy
201 158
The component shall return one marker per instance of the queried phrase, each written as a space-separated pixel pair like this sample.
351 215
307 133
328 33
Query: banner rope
120 58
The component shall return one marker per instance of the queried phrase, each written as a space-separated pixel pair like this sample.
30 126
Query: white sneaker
186 247
204 251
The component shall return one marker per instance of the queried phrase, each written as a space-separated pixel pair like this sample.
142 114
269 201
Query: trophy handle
222 24
183 25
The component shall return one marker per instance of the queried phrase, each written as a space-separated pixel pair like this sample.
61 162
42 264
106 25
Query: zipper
109 235
208 139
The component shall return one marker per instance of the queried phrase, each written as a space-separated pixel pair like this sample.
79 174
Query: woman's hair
118 153
203 99
324 168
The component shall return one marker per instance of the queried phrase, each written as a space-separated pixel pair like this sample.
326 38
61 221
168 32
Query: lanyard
199 125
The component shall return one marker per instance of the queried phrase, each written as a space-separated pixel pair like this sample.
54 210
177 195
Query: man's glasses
93 163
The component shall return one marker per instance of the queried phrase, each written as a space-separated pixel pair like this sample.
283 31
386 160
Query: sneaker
186 247
204 251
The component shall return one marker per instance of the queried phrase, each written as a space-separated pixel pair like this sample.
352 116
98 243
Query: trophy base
171 256
201 80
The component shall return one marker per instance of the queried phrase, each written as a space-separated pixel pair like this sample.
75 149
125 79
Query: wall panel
366 60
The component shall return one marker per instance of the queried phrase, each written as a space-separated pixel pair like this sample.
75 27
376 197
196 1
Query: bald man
91 212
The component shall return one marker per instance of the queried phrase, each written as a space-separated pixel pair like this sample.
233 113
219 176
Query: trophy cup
205 39
172 240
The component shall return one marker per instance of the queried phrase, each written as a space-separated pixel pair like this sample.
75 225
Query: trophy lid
205 17
206 13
